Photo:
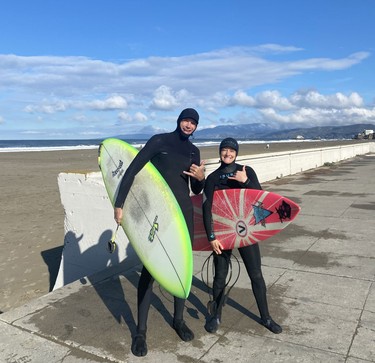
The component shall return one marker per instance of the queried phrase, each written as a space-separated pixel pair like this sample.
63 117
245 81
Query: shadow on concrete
52 259
111 290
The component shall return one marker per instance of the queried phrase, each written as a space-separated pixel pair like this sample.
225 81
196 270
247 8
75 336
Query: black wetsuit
171 153
249 254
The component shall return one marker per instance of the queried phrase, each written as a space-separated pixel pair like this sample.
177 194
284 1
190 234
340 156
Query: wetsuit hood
188 113
231 143
180 134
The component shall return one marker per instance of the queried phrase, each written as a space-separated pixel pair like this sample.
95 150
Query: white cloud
360 113
124 116
306 109
328 64
337 100
241 98
309 117
273 99
276 48
140 117
201 74
310 99
164 99
46 108
111 103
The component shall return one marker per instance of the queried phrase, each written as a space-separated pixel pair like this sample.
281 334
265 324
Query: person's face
227 155
188 126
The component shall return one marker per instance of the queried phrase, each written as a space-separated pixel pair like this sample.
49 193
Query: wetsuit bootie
272 325
182 330
212 324
139 345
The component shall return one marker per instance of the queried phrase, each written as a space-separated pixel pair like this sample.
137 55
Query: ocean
51 145
76 144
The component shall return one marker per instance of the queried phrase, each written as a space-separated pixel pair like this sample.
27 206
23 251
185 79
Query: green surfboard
152 219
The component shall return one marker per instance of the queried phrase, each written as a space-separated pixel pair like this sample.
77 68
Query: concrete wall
89 225
89 222
276 165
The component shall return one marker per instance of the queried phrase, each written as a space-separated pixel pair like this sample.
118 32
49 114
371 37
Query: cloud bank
237 84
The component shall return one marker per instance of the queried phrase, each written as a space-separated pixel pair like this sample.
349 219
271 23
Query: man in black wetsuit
178 161
232 175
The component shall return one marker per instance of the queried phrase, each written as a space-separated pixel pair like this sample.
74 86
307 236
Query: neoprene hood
188 113
229 142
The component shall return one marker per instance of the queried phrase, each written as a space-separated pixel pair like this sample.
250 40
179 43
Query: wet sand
32 217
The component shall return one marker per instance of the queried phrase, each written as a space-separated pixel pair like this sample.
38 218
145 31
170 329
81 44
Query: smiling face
188 126
227 155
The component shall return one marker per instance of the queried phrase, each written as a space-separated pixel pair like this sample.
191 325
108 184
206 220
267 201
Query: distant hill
320 132
263 132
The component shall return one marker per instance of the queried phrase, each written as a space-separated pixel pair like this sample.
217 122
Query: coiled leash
211 305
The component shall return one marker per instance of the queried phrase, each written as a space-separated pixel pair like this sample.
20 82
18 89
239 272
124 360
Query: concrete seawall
89 222
277 165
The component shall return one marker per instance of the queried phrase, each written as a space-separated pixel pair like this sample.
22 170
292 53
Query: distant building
365 134
300 137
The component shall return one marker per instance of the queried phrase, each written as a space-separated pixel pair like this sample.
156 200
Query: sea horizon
81 144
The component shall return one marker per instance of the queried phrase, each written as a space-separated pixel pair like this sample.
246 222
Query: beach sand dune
32 217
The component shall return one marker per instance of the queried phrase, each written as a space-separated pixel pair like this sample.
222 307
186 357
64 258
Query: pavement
319 271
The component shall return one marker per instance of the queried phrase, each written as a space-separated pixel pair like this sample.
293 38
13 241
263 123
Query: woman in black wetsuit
232 175
178 161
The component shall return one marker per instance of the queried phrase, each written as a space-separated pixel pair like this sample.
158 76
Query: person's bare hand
240 175
216 246
118 215
196 171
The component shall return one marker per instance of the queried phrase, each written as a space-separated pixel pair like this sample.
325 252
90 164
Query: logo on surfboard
241 228
118 170
153 230
284 211
260 213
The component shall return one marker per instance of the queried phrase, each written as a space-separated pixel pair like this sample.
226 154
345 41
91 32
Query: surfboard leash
209 288
226 296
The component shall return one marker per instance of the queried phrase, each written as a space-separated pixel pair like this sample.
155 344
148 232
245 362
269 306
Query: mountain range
264 132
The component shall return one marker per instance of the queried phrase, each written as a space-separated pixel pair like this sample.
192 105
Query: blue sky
92 69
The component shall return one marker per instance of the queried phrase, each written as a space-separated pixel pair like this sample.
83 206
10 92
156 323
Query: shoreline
32 217
207 150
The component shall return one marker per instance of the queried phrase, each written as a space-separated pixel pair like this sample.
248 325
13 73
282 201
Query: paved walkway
320 274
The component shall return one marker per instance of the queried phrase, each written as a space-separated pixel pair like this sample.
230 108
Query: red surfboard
242 217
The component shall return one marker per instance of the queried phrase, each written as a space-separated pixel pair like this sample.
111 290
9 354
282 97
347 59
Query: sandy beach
32 217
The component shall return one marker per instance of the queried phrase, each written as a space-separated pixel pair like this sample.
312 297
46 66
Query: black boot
272 325
212 324
139 345
213 319
182 330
